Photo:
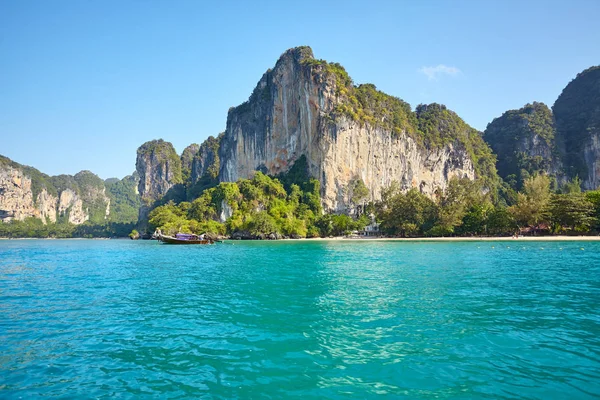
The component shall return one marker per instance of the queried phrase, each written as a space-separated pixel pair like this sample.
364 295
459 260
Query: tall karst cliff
305 106
563 143
26 192
524 142
159 169
187 160
205 166
577 116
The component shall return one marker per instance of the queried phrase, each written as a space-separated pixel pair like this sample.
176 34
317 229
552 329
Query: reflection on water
299 319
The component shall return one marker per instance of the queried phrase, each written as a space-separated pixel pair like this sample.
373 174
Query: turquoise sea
299 319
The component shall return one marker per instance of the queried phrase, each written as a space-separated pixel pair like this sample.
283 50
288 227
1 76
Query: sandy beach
472 239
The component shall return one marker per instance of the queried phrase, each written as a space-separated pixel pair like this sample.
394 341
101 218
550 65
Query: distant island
312 154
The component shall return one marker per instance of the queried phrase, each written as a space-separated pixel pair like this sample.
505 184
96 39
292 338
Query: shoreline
468 239
385 239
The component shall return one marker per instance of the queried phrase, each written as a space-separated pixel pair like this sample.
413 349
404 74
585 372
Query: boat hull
172 240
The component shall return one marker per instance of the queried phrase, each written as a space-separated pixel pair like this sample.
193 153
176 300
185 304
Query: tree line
465 208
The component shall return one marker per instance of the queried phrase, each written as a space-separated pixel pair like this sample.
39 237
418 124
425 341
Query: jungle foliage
464 209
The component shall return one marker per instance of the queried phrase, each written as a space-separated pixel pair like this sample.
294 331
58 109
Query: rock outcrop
524 142
93 196
16 196
577 116
26 192
309 107
159 169
70 207
46 205
206 160
187 158
563 143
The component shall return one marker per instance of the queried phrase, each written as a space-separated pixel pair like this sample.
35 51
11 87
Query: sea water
299 319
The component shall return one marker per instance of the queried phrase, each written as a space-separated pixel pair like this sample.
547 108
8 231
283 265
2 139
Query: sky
84 83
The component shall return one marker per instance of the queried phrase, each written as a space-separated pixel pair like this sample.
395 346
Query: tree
262 223
475 221
460 196
406 214
359 191
593 196
500 222
571 211
531 207
572 186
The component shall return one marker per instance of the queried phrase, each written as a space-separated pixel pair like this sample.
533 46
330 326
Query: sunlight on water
299 319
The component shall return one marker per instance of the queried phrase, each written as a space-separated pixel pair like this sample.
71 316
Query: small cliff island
312 154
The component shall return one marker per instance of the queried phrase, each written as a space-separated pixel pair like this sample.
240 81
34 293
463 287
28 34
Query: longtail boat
184 238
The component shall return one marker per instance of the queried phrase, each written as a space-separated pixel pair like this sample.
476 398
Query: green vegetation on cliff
124 200
577 116
163 153
523 141
260 207
205 167
432 126
439 126
187 158
39 180
94 194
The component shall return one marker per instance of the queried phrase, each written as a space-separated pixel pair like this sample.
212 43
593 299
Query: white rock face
71 205
226 211
46 204
16 197
289 115
378 158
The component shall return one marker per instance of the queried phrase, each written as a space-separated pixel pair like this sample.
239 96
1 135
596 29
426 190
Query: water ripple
103 319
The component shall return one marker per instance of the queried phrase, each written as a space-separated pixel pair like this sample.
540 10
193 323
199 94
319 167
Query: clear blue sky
84 83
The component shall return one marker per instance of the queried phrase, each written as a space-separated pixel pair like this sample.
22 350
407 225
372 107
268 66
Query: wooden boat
184 238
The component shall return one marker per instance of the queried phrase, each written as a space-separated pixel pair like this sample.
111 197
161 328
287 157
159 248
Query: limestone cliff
187 158
206 159
577 116
46 205
93 196
524 141
16 197
26 192
22 196
70 207
310 107
159 170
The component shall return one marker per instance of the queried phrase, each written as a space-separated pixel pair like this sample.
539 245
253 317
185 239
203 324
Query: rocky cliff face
92 193
26 192
46 205
577 116
591 155
70 207
206 159
524 141
159 170
16 197
309 107
187 158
